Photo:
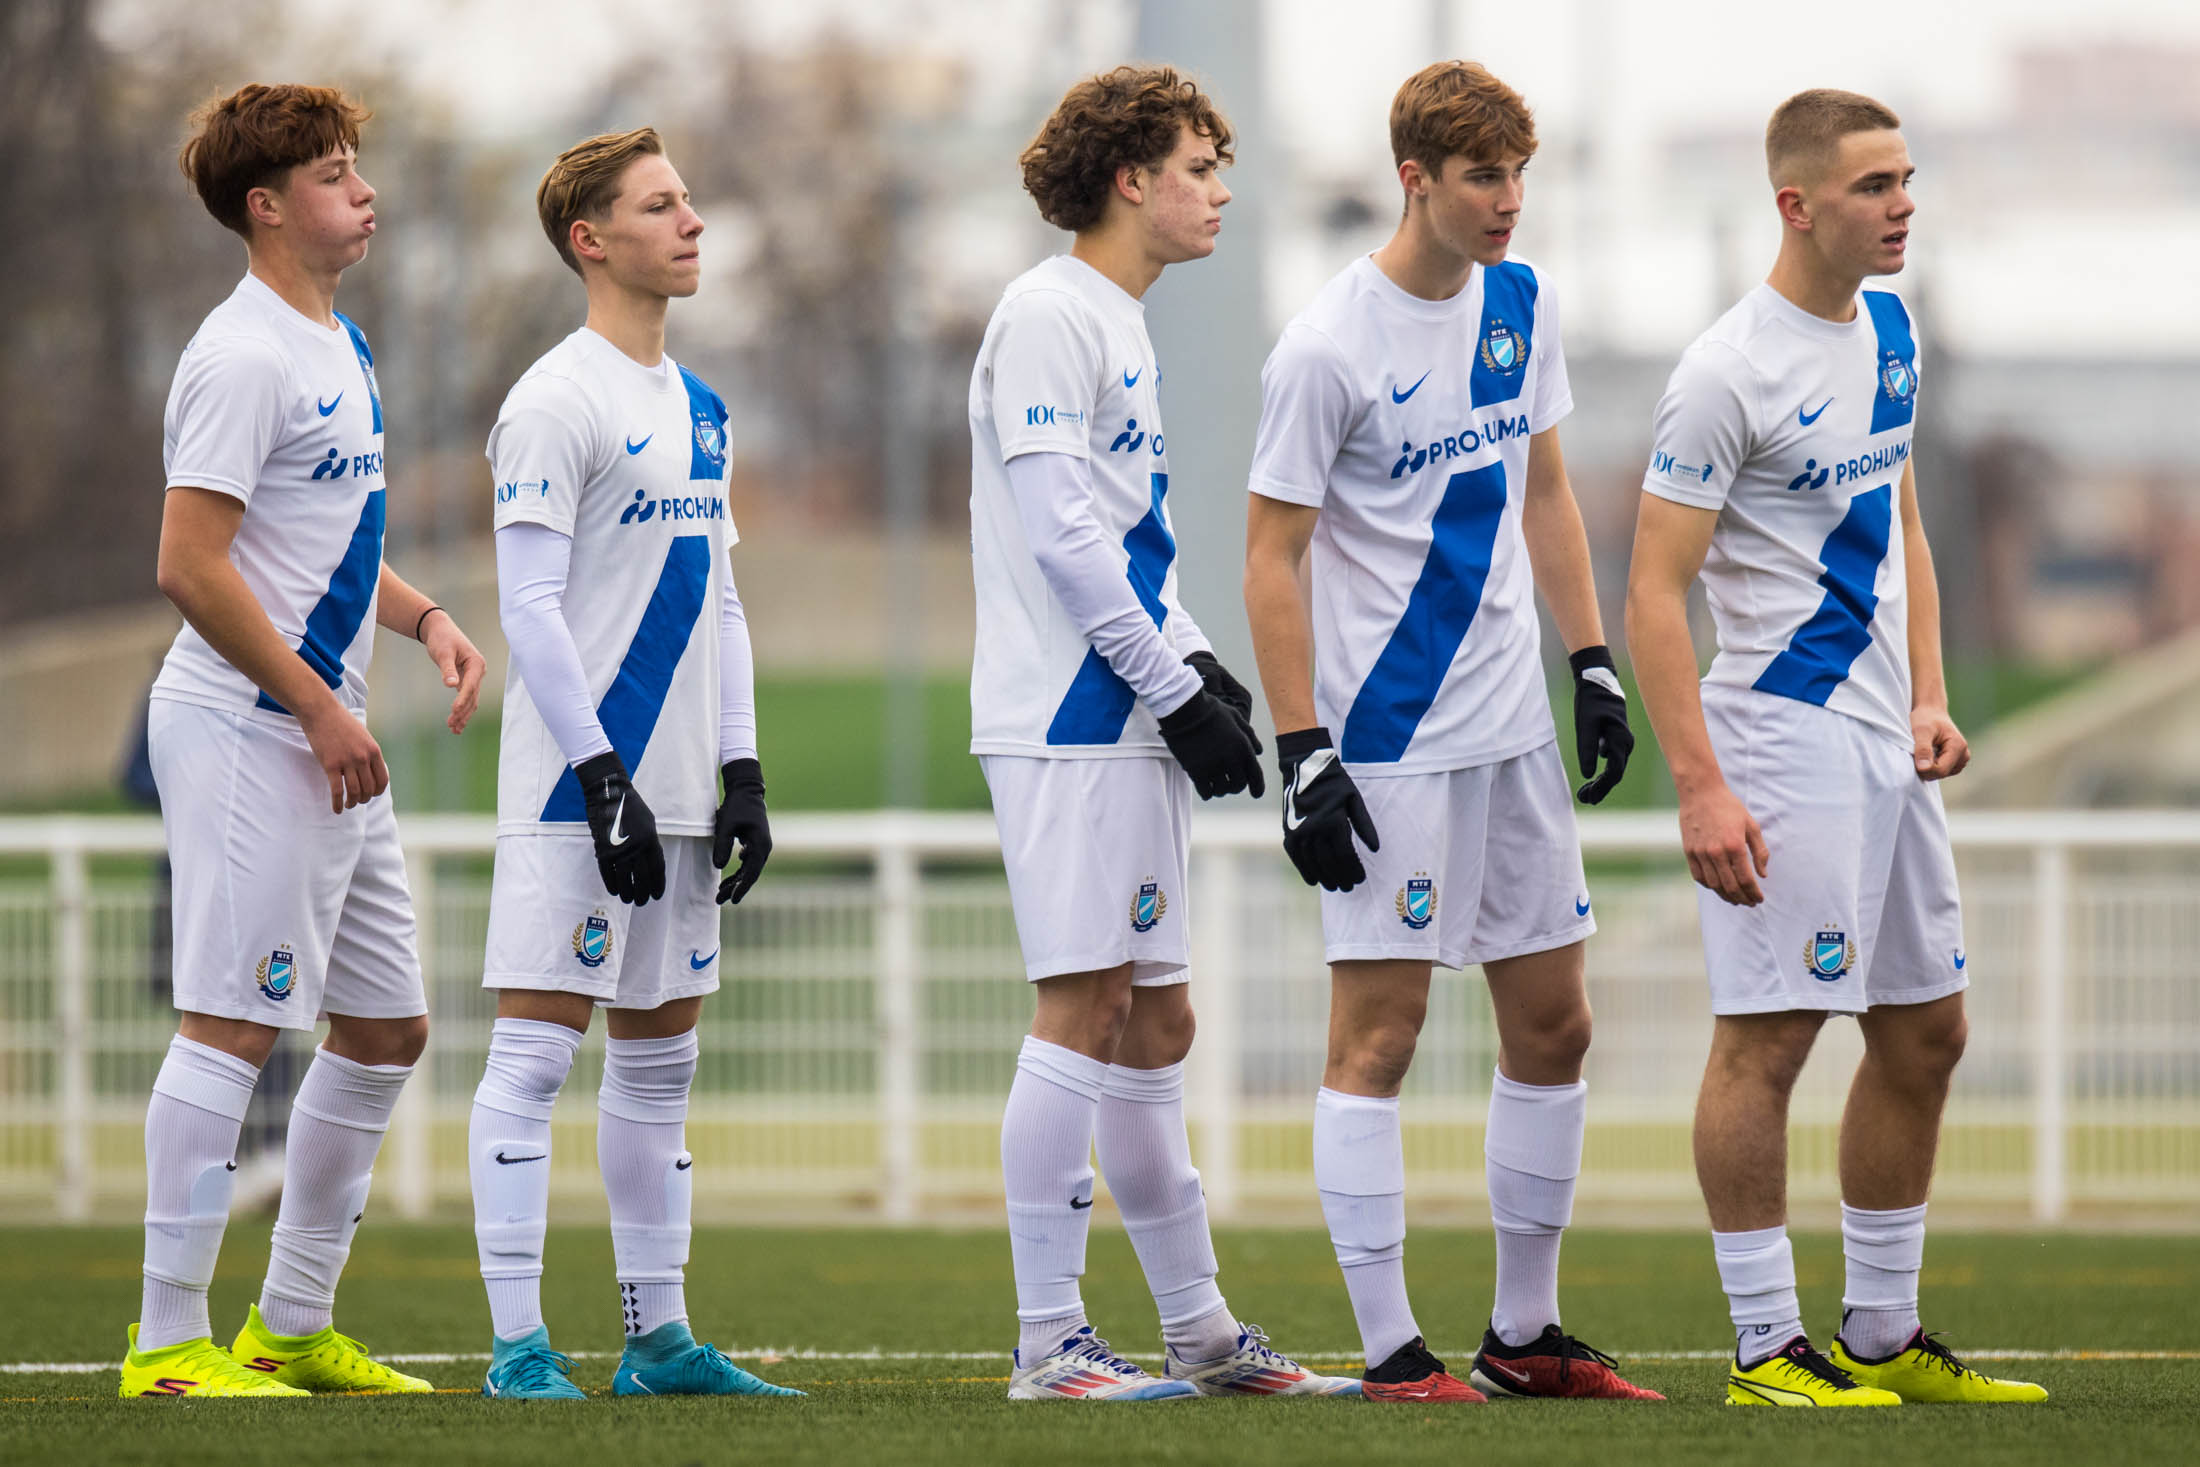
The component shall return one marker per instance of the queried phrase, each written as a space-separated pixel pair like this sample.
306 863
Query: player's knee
1375 1061
379 1041
1938 1047
1564 1041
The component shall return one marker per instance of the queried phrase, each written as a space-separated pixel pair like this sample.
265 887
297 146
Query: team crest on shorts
1504 350
1417 901
1149 907
1831 954
278 974
592 939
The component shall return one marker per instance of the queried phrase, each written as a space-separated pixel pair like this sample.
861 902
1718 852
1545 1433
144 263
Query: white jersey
1065 367
1406 422
1797 431
283 413
630 461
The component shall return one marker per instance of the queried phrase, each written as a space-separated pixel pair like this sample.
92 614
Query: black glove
1600 722
1215 745
1321 810
628 852
1216 679
741 818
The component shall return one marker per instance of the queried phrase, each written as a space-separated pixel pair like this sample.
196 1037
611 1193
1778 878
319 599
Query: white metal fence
856 1059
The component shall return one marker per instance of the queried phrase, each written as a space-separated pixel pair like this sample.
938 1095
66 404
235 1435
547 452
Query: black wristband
1301 742
424 620
596 766
1588 657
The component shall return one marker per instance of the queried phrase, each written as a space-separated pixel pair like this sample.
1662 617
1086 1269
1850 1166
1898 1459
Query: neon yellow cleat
326 1362
194 1368
1800 1376
1927 1372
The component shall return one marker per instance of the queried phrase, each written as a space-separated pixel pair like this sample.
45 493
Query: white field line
774 1354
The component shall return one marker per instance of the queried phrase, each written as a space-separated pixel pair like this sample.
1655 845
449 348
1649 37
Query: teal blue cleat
668 1362
527 1369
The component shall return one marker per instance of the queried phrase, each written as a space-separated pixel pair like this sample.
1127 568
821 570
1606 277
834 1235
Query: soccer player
290 897
1409 436
1098 711
631 692
1782 473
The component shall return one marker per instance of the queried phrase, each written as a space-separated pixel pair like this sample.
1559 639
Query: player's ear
1130 182
264 207
582 236
1794 212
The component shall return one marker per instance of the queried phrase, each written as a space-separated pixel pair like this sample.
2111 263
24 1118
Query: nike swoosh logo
683 1164
330 406
1130 379
618 823
1806 419
1581 909
699 962
1397 396
1309 771
233 1166
1076 1206
503 1160
633 447
1959 960
1505 1370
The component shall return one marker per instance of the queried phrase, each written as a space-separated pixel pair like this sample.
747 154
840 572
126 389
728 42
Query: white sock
1360 1170
508 1156
1147 1158
191 1125
641 1148
336 1126
1531 1157
1885 1251
1046 1166
1757 1270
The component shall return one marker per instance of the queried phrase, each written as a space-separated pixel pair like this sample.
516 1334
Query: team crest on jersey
1504 350
1831 954
1149 907
710 437
592 939
1898 378
1417 901
278 974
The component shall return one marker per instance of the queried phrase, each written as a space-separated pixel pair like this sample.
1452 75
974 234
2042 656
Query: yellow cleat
193 1368
1927 1372
1800 1376
323 1363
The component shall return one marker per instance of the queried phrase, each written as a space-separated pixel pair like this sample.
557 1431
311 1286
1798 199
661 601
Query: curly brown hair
1126 118
1457 109
251 137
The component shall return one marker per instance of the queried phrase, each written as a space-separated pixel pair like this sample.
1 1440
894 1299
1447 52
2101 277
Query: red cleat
1411 1373
1555 1366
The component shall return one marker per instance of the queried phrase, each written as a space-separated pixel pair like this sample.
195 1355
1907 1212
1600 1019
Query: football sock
1885 1251
336 1126
1532 1155
191 1125
1757 1270
1046 1164
1360 1170
641 1148
1147 1158
508 1154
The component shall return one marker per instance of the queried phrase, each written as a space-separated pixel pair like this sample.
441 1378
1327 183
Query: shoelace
1096 1350
1571 1349
1943 1356
534 1368
1806 1361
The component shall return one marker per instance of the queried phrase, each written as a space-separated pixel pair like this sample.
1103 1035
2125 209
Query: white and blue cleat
1252 1369
1083 1368
527 1369
668 1362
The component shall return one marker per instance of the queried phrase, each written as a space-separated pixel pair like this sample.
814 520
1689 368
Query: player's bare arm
197 575
1940 749
409 612
1276 536
1726 851
1558 545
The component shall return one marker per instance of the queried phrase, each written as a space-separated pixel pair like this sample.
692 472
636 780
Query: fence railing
857 1056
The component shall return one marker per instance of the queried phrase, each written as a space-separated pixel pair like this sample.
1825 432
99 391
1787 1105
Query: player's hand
1600 722
347 753
1216 747
741 818
460 662
628 853
1322 809
1216 679
1937 744
1726 851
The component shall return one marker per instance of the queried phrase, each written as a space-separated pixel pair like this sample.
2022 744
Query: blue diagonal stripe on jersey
334 621
1819 656
1891 320
1099 702
366 365
1508 295
1403 683
629 710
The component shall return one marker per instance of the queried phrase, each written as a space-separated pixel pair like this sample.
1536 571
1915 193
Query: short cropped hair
1807 128
1457 109
584 183
252 137
1126 118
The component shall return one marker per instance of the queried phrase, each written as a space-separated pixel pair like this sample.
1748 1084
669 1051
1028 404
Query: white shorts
284 911
1476 865
1098 853
1861 906
553 926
